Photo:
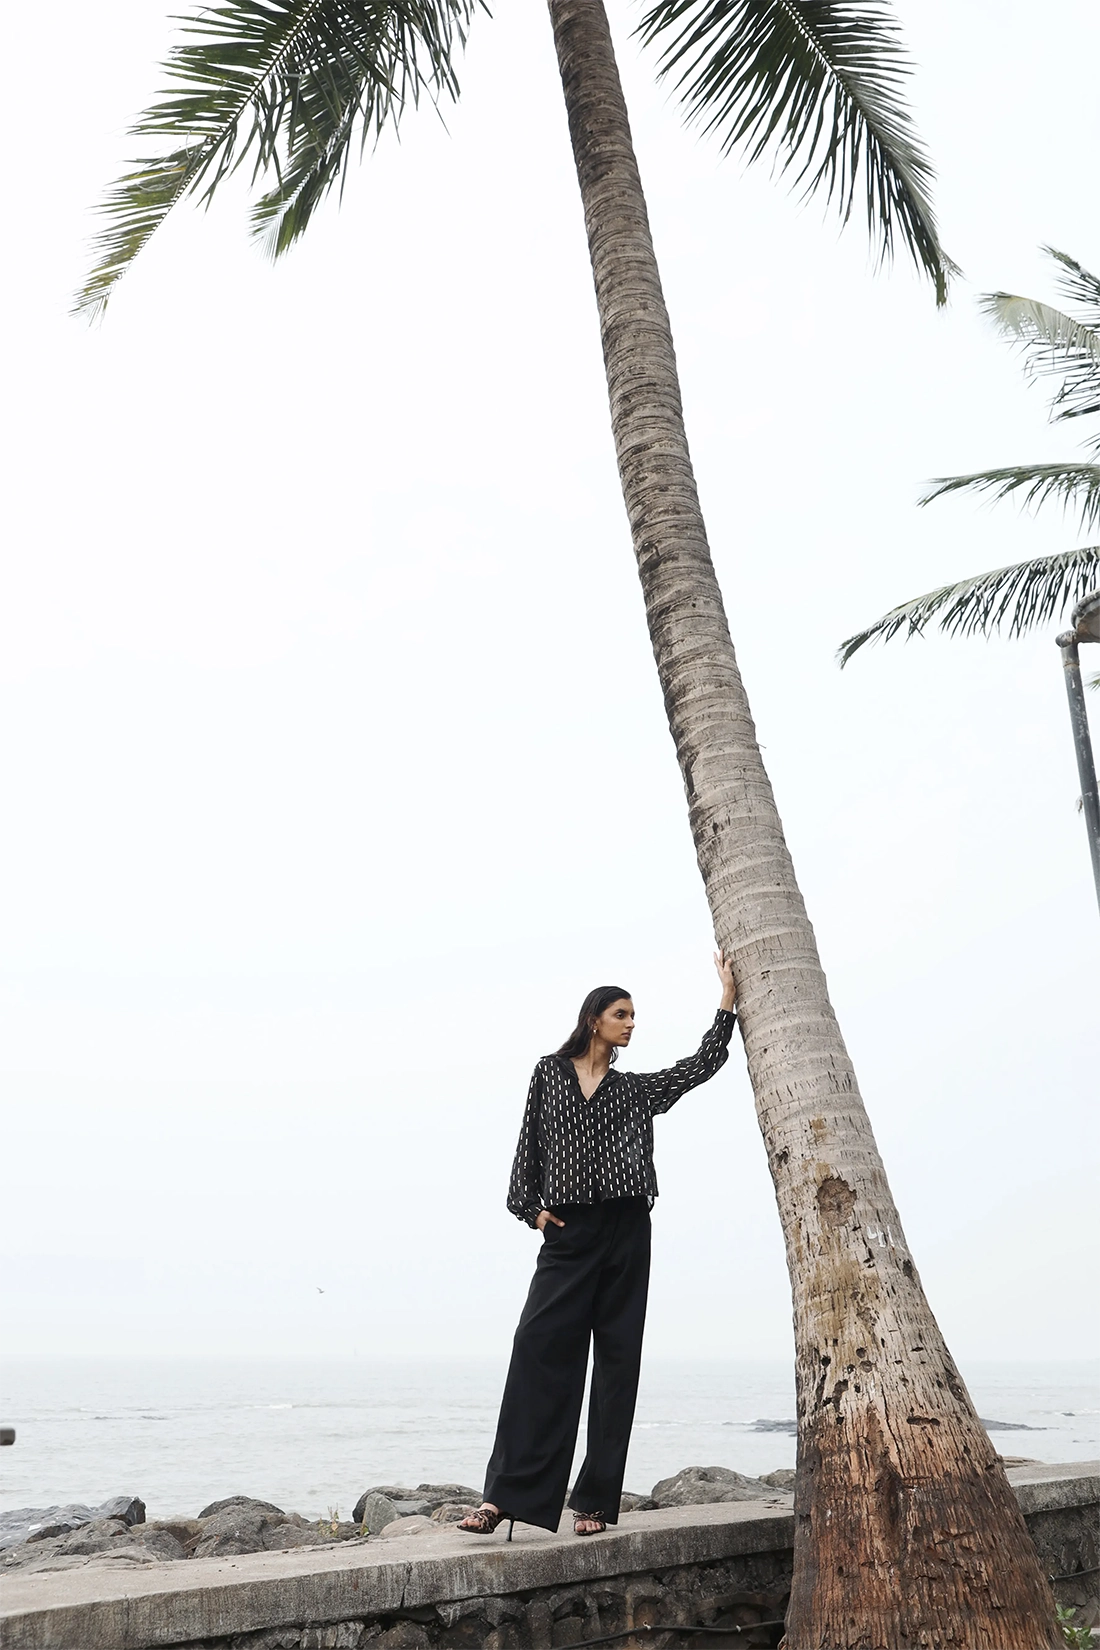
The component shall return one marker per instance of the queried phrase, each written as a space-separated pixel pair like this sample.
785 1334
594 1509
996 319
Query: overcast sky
335 765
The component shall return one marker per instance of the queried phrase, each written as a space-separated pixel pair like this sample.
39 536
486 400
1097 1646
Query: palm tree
906 1525
1029 593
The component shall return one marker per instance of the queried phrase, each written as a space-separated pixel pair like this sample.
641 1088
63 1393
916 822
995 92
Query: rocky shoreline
119 1533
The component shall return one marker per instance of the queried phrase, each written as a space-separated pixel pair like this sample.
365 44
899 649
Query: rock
94 1537
279 1538
421 1501
238 1526
374 1511
453 1512
438 1493
781 1479
185 1530
130 1508
1019 1461
161 1545
392 1492
417 1525
344 1636
100 1538
240 1501
1010 1426
790 1427
404 1635
636 1503
42 1523
699 1486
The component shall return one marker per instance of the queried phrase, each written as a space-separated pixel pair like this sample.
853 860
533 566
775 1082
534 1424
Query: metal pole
1086 767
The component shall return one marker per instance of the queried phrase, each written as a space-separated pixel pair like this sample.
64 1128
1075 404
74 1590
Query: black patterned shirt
573 1150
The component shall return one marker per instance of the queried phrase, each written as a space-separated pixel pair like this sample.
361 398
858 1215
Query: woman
583 1176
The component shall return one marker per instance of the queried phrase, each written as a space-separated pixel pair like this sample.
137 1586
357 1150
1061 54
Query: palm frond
289 83
1079 284
1023 596
820 83
1077 485
1055 344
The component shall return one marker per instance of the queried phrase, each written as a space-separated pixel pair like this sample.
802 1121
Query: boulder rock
781 1479
239 1525
416 1525
240 1501
636 1503
403 1635
438 1493
374 1511
161 1546
453 1512
130 1508
185 1530
93 1536
419 1502
107 1540
42 1523
699 1486
280 1538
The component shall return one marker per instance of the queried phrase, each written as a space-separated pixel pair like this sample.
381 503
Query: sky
335 764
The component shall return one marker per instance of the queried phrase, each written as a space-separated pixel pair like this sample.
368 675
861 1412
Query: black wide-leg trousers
590 1286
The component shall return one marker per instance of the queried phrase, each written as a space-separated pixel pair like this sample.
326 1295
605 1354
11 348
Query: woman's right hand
543 1219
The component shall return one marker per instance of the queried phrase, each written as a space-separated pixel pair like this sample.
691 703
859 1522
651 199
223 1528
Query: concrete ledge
131 1608
1051 1489
99 1608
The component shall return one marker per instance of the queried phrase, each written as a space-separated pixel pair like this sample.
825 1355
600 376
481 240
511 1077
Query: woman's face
616 1023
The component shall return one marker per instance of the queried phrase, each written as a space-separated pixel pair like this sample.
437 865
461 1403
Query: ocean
311 1435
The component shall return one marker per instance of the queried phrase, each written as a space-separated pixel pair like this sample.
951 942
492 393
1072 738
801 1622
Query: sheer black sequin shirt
573 1150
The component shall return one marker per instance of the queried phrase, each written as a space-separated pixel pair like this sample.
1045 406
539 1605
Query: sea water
311 1435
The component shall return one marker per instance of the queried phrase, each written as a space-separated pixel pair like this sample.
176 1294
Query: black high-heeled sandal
589 1518
484 1521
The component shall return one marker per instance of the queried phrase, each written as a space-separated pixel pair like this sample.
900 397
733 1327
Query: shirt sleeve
525 1186
662 1089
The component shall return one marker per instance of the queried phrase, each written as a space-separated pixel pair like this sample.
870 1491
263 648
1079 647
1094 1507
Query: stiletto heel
484 1521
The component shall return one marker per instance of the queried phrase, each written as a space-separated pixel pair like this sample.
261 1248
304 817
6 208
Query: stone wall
725 1593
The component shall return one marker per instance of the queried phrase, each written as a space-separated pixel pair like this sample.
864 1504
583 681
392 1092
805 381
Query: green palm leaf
290 84
819 82
1023 596
1075 484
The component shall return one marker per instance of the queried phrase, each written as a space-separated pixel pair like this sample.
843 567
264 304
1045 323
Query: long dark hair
576 1044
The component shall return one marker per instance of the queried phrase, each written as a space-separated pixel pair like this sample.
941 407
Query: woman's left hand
729 985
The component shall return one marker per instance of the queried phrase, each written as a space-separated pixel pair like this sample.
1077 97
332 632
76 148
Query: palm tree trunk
907 1531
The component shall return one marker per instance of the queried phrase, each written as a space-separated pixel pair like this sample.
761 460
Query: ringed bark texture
907 1532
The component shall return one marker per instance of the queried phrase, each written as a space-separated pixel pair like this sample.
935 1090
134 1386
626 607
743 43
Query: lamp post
1086 628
